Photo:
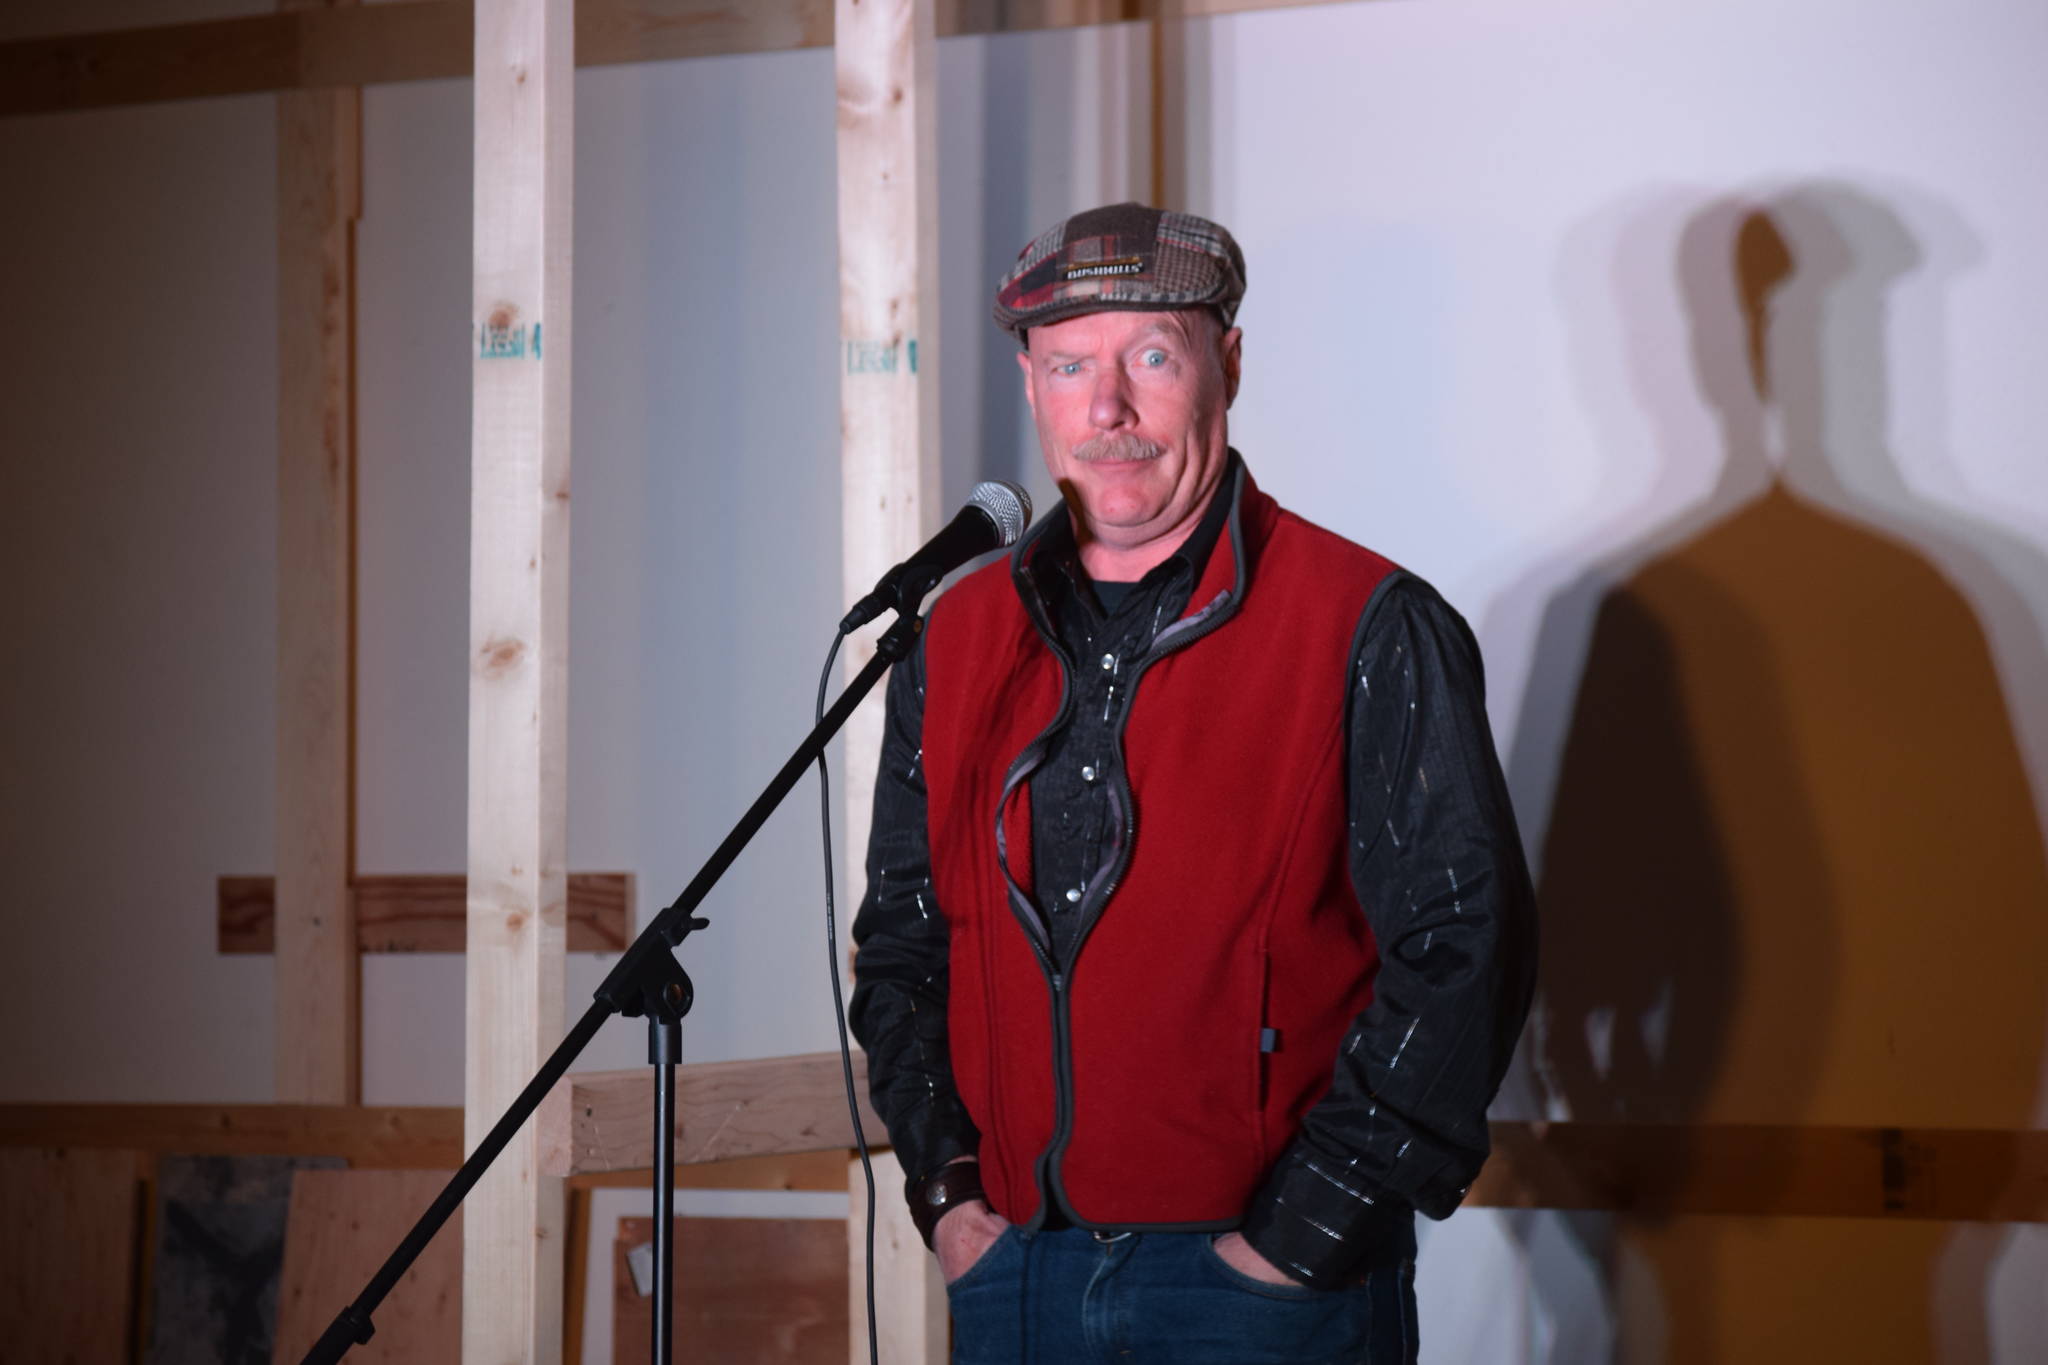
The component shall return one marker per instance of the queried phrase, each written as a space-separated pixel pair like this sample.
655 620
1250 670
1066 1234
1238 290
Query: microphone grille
1007 505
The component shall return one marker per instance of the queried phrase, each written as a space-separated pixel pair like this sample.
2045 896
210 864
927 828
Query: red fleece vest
1236 914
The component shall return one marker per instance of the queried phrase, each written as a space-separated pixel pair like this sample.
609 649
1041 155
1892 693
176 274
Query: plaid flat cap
1125 257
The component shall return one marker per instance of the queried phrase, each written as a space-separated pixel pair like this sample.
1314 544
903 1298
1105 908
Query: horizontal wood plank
781 1124
604 1120
424 914
428 39
391 1138
1762 1170
823 1171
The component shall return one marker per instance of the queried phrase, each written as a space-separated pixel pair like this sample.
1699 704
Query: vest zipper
1100 890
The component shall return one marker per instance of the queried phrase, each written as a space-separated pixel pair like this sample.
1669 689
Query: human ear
1232 357
1030 393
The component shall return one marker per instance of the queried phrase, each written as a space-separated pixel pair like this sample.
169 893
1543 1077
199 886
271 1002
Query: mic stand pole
647 980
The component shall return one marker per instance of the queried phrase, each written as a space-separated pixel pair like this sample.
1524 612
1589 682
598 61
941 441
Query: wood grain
768 1291
319 173
604 1120
342 1226
885 69
405 1138
430 39
387 1138
911 1316
72 1222
1950 1174
1947 1174
425 913
522 217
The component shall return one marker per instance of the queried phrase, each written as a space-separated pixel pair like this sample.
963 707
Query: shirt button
1088 772
1074 895
1108 662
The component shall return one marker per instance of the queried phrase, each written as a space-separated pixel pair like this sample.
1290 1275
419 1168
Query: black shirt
1105 628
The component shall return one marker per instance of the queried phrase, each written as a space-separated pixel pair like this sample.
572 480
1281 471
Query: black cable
860 1138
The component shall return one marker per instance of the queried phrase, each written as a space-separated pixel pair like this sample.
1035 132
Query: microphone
994 517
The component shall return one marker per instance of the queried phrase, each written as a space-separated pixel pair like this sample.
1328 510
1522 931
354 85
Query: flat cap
1125 257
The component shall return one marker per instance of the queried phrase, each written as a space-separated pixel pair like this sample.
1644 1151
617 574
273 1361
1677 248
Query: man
1197 933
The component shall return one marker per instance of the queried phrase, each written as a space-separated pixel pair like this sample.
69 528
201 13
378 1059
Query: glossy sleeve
898 1010
1438 868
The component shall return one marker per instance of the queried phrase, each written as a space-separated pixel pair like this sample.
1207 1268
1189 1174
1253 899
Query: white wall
1468 344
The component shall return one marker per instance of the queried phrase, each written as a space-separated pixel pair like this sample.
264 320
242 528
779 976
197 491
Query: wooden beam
519 657
430 39
1762 1170
888 324
319 172
821 1170
604 1120
408 1139
601 1122
393 1138
911 1315
885 58
780 1112
424 914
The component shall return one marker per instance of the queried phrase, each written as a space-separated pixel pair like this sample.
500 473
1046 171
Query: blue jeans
1166 1298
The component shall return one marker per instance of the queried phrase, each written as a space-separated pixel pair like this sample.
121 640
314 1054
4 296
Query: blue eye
1154 358
1071 367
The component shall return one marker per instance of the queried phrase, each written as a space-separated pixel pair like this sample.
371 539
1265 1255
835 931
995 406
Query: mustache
1113 445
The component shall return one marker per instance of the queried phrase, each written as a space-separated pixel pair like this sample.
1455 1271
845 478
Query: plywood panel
768 1291
69 1224
342 1226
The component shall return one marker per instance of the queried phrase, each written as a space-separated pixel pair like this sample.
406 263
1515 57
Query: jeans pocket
967 1277
1237 1279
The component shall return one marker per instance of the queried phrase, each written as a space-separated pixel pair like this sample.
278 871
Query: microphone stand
647 981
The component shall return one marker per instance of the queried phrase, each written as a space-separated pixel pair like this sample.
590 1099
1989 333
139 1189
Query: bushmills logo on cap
1122 265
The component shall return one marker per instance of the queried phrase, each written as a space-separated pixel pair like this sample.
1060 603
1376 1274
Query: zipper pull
1058 983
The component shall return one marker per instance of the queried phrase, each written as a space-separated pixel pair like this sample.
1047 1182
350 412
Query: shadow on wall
1793 870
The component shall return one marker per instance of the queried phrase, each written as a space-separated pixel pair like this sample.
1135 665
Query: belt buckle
1107 1238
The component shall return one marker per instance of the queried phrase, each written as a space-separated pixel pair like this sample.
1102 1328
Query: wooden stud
888 323
423 914
519 600
884 55
319 160
911 1317
575 1272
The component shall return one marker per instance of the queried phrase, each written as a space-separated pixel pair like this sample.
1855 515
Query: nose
1109 405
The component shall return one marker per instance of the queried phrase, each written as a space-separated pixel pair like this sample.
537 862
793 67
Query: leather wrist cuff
944 1189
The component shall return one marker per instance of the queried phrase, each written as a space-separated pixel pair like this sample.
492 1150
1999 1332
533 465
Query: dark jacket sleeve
1438 868
899 996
